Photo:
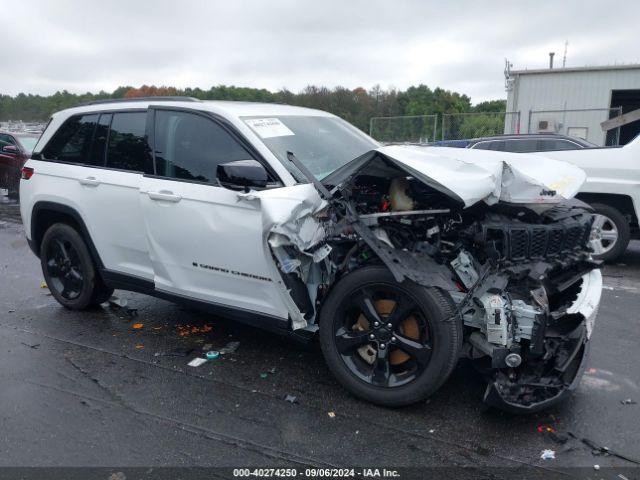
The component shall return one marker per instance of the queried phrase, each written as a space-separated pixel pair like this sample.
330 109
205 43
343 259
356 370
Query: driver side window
190 146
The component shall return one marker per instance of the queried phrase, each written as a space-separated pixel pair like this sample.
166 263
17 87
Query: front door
204 242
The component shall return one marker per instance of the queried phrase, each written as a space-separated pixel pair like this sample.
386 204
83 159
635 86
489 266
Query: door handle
89 181
164 196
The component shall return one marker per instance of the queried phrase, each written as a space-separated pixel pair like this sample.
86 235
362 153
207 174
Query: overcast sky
458 45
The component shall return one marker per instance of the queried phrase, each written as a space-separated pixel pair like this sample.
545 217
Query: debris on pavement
432 431
230 347
206 347
628 401
137 326
186 330
178 352
553 434
291 398
34 346
596 467
600 450
271 371
331 414
196 362
212 355
117 302
548 455
545 428
120 305
43 285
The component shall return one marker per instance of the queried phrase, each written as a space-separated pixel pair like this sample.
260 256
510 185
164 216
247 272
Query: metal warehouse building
574 101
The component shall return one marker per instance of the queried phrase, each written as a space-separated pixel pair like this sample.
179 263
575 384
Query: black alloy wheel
387 342
64 268
379 325
69 269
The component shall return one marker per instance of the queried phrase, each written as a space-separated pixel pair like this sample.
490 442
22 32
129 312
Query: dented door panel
208 245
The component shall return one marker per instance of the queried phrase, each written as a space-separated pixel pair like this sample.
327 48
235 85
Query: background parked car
613 178
526 143
15 149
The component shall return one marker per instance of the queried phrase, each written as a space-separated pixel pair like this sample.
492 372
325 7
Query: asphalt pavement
111 387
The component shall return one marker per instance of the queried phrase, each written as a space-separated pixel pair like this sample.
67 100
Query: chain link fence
582 123
404 129
459 126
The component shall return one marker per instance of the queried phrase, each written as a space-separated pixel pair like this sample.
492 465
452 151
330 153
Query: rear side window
72 141
190 146
127 144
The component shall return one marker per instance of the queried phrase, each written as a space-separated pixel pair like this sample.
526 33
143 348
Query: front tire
610 233
69 270
390 343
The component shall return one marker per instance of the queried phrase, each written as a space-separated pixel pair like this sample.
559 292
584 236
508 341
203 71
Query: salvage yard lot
83 389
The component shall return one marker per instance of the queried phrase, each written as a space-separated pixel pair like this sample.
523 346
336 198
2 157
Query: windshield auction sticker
269 127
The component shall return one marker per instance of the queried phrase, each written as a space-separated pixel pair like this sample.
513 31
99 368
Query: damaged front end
498 236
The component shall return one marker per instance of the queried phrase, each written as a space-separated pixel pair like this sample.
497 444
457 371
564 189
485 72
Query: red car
15 149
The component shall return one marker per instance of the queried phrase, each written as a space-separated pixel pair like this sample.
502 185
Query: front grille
518 241
538 242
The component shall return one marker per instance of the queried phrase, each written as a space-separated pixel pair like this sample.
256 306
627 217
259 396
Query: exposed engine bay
520 274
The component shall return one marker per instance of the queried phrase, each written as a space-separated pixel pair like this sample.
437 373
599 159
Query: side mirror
10 149
242 175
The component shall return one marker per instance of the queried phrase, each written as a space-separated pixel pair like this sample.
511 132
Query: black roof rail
174 98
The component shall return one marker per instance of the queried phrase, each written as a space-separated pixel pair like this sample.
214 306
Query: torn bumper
588 301
527 395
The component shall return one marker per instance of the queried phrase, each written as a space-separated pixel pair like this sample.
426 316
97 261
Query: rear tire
69 270
610 233
421 347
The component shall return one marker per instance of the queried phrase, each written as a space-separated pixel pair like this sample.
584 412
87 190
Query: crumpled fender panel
289 217
290 211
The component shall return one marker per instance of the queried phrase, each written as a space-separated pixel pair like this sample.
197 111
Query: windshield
28 143
322 144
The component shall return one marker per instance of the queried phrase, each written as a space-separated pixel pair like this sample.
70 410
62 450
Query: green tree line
357 106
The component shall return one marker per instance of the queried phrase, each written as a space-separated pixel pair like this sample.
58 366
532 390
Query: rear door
97 165
204 242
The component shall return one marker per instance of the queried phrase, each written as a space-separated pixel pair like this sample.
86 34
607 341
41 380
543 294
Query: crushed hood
470 175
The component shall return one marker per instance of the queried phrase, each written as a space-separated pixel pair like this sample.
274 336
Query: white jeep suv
403 258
